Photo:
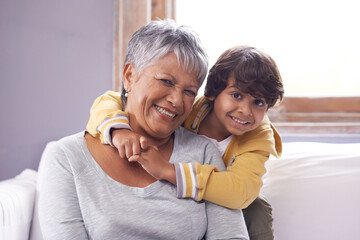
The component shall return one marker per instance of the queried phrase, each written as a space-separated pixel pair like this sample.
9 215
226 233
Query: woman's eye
190 93
167 82
236 95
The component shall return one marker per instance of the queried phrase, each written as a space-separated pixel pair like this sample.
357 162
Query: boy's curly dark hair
255 73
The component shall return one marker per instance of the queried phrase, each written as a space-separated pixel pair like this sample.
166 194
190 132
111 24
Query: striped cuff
118 122
187 185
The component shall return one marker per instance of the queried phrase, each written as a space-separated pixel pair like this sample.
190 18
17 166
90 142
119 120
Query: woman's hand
128 143
155 164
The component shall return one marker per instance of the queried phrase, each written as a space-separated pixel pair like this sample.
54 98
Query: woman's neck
161 143
119 169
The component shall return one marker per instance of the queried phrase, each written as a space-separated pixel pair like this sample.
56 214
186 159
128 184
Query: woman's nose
175 97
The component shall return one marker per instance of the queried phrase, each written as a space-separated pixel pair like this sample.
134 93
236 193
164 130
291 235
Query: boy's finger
128 151
136 149
122 152
143 143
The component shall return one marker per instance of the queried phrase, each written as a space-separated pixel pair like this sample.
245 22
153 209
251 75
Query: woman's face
160 97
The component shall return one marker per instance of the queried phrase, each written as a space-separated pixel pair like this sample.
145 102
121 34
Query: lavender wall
55 59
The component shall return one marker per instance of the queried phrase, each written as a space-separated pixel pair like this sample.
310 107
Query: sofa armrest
17 196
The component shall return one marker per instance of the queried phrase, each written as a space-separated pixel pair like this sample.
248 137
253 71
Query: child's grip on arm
128 143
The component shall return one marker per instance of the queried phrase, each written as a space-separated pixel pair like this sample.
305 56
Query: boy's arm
106 114
235 188
245 159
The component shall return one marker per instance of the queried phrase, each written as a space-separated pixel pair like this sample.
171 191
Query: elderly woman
88 192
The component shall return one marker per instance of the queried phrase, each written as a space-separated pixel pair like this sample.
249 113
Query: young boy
242 85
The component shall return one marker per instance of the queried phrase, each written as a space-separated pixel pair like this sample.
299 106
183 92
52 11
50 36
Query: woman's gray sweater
78 200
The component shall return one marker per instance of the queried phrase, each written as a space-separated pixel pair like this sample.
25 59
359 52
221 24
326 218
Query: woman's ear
129 76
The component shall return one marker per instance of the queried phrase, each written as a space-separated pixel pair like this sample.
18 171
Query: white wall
55 59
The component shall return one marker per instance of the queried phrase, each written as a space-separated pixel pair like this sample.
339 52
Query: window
315 44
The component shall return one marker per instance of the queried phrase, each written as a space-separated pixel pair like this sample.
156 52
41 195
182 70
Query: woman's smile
165 112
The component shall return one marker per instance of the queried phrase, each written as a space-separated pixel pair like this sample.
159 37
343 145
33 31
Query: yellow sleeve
106 113
235 188
245 159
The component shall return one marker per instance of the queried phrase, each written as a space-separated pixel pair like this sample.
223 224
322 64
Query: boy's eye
190 93
236 95
167 82
259 103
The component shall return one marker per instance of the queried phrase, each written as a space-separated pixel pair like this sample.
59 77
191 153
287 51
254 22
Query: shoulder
190 147
66 153
189 139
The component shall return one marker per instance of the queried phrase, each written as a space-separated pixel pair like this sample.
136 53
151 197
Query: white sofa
313 189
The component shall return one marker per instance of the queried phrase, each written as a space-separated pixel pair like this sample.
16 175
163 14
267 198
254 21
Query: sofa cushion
314 191
17 197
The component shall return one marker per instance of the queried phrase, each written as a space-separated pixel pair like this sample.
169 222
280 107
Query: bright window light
316 43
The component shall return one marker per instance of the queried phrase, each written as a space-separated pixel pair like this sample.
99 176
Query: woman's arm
225 223
59 212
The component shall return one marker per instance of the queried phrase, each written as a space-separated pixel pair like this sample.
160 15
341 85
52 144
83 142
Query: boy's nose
245 108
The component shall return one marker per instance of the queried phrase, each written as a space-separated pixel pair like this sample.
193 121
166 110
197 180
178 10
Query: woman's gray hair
158 38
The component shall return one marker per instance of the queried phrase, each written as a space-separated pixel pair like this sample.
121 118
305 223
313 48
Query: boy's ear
129 76
211 98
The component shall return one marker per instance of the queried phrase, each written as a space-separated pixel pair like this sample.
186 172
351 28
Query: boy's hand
154 163
128 143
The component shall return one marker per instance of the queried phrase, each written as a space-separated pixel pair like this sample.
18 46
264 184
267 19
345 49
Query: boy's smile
234 112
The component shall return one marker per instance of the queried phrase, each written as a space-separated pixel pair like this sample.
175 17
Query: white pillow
17 197
314 191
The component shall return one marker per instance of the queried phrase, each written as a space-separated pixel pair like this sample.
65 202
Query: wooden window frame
130 15
317 116
294 116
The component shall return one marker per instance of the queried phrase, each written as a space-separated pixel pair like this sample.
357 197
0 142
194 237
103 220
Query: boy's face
236 112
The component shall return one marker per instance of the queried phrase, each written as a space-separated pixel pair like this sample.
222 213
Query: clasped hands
135 148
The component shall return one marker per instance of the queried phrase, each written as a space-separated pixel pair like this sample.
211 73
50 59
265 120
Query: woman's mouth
165 112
